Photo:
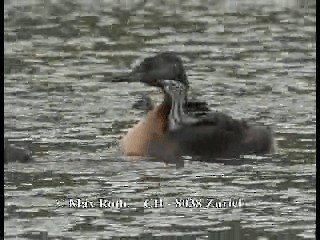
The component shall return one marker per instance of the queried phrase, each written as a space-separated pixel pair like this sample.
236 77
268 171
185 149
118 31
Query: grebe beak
124 77
132 77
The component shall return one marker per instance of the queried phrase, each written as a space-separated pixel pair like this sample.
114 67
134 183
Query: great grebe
213 134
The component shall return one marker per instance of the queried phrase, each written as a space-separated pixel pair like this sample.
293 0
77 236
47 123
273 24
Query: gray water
250 59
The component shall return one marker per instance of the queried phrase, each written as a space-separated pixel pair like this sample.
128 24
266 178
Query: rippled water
250 59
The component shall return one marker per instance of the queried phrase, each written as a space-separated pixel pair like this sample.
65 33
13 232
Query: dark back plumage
215 135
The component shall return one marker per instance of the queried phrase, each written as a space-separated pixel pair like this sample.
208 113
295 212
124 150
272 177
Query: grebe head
165 65
176 90
161 66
